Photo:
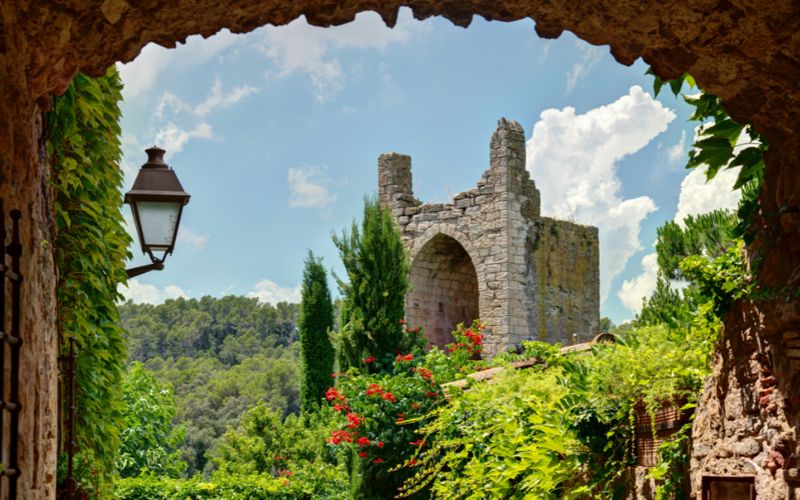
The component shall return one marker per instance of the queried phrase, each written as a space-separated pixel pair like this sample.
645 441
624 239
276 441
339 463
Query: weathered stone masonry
490 254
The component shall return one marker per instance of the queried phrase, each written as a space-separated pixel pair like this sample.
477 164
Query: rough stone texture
745 51
490 255
747 420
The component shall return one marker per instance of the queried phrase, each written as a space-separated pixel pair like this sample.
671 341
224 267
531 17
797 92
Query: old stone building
489 254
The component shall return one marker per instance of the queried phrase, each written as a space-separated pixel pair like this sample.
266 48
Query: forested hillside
222 356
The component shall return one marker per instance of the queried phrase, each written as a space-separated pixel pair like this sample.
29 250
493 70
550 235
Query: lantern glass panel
158 221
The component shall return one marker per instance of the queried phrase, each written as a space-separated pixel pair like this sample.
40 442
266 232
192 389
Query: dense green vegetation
221 356
91 247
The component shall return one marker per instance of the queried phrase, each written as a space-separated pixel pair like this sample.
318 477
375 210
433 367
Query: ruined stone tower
489 254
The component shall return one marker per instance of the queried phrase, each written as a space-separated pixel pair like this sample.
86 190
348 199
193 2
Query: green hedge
319 484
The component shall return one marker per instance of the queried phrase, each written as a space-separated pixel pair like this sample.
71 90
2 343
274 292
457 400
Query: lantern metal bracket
156 265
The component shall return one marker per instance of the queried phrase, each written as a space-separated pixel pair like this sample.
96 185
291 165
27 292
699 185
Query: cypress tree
316 320
373 298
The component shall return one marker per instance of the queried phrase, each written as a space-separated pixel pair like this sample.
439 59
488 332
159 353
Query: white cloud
267 291
698 196
589 56
173 138
573 160
633 291
188 237
218 99
308 188
299 47
678 151
150 294
140 74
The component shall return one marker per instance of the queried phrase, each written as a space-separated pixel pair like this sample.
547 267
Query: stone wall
490 254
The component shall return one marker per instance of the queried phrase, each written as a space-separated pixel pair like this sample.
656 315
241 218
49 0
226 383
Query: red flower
337 436
377 461
362 454
402 322
424 373
419 442
388 396
354 420
369 359
432 394
412 462
415 405
373 389
404 357
341 407
362 441
278 457
380 444
332 394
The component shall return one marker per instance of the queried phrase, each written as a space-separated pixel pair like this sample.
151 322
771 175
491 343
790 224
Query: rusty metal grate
665 422
10 342
728 488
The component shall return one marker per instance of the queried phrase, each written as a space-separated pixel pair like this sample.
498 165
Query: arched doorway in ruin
443 289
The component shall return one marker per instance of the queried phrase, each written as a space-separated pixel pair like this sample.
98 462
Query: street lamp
156 199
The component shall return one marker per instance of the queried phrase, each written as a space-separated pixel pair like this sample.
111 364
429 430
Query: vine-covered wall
91 247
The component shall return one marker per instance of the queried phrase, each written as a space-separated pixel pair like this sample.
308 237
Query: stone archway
443 289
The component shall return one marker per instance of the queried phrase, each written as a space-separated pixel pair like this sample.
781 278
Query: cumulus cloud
267 291
143 293
588 57
573 159
140 74
299 47
633 291
308 188
696 197
173 138
189 238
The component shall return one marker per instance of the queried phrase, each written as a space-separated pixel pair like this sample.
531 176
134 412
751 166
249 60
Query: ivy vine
91 248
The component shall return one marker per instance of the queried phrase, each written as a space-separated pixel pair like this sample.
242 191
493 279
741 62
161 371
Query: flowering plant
378 416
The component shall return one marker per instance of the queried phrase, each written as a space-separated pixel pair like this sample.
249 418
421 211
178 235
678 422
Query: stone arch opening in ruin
443 289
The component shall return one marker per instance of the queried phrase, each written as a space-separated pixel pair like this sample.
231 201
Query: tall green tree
373 298
316 321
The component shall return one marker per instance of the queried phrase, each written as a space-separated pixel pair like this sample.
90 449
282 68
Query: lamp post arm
136 271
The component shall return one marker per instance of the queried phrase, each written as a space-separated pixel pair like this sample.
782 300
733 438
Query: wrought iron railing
10 343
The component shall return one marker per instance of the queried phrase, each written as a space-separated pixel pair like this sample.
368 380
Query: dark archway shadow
443 289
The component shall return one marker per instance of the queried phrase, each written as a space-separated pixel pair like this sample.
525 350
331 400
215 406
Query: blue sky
276 136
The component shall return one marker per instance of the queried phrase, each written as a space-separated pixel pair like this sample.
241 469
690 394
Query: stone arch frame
447 230
745 52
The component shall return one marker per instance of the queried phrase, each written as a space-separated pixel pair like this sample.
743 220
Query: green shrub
505 439
312 482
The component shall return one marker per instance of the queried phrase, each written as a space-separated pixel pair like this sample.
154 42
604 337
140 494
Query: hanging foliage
91 248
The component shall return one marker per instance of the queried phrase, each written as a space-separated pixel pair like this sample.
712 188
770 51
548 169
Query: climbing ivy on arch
91 247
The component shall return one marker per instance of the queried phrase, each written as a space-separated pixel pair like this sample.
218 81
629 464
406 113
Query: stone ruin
489 254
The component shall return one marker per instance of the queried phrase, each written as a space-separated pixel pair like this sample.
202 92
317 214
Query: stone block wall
490 255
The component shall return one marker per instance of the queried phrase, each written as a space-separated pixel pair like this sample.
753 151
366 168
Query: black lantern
156 199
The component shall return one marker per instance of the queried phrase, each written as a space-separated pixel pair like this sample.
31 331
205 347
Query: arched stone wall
443 289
